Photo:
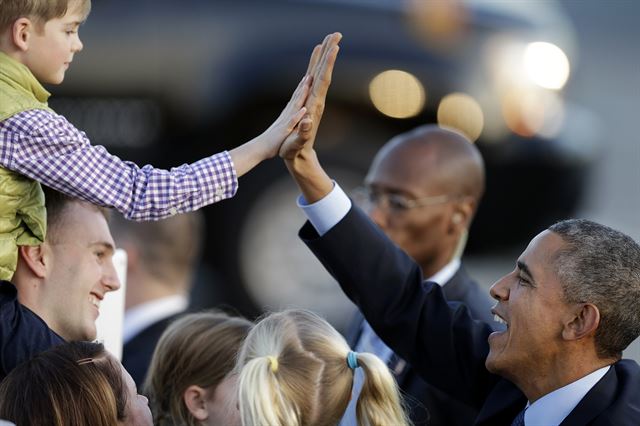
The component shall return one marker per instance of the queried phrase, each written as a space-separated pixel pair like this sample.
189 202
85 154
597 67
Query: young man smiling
58 285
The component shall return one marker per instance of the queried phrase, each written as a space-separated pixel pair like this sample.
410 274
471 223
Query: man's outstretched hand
320 69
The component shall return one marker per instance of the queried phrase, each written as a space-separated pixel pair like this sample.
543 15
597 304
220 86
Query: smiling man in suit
570 306
422 190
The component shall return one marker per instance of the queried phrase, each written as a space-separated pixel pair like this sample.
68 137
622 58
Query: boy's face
52 45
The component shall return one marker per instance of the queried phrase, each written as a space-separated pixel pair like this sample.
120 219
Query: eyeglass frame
402 202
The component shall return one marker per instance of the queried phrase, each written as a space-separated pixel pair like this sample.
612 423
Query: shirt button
173 211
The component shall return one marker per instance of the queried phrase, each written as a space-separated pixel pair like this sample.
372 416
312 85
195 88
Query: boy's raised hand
320 69
297 124
289 118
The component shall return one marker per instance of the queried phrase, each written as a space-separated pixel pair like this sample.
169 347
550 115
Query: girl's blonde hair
293 371
197 349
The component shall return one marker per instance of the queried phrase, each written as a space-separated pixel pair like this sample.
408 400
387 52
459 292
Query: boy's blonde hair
197 349
40 11
293 371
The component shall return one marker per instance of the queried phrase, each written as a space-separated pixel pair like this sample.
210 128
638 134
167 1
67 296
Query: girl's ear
195 398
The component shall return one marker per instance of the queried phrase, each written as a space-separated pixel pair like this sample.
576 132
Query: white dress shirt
551 409
142 316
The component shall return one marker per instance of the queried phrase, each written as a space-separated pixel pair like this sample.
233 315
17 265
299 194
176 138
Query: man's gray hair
600 265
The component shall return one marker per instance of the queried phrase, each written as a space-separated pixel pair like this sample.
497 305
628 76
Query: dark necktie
519 420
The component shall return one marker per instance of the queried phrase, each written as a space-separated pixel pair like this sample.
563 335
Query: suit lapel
455 288
601 396
502 405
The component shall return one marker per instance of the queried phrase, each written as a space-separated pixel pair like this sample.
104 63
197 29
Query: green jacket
23 218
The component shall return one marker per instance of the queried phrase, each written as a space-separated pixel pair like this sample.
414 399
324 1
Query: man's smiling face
80 271
530 301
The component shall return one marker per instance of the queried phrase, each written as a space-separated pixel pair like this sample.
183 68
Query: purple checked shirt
45 147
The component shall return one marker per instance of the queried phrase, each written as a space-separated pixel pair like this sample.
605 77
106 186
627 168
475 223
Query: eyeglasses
366 197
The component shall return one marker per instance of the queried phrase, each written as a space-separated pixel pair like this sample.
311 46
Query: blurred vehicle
167 82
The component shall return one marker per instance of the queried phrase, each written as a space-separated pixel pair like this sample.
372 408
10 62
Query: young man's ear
33 258
21 33
195 398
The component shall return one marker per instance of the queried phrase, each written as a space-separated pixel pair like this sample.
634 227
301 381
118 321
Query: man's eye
523 281
397 203
100 254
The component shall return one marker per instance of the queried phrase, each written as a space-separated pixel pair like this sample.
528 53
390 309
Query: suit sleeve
442 342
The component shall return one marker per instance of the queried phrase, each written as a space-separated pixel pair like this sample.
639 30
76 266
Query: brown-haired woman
187 381
76 383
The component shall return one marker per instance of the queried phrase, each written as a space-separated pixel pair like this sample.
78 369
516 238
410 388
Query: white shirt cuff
327 212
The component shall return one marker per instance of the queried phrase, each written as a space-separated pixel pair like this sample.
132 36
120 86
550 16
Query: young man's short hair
56 204
40 11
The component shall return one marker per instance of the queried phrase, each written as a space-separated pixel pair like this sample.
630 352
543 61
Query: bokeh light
546 65
461 111
397 94
529 113
438 24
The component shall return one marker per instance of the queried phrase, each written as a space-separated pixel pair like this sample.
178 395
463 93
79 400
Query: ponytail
379 403
272 392
295 369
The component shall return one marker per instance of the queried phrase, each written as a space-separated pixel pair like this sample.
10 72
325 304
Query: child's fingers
302 91
293 122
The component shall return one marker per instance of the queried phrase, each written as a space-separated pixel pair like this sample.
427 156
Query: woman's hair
72 384
197 349
293 370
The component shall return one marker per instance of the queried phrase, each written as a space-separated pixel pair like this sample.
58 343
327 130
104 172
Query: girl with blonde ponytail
296 369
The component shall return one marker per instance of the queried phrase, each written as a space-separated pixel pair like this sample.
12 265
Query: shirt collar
445 274
142 316
552 408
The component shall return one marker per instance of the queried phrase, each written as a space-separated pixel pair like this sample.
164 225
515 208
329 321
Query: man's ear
21 33
585 322
34 258
461 215
195 398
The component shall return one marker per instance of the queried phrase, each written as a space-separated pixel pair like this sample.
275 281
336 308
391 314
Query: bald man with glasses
422 190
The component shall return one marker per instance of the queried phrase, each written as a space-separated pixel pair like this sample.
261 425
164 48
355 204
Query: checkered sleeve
46 147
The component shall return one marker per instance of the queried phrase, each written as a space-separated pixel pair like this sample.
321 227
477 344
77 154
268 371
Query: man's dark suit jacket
23 334
137 352
428 405
440 340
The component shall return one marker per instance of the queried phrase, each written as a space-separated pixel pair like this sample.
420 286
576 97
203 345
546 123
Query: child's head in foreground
294 368
42 34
